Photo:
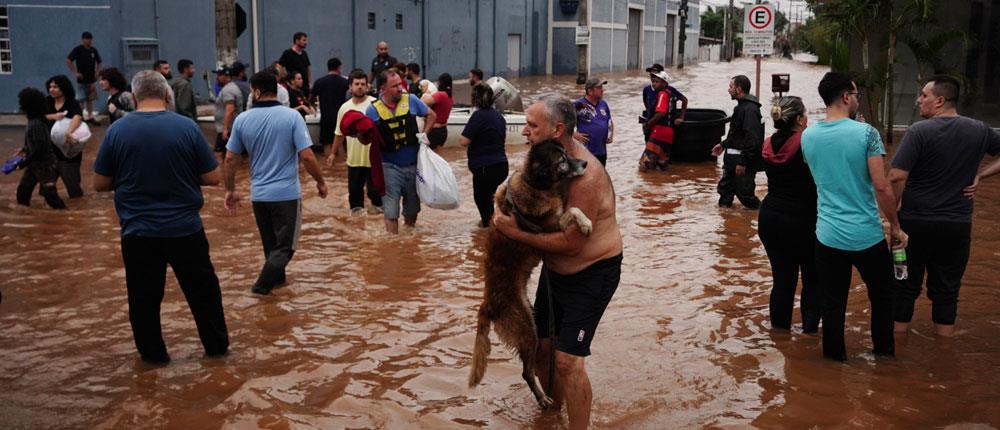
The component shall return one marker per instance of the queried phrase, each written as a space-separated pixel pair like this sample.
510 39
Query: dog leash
544 277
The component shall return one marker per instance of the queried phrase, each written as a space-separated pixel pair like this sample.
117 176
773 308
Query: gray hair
148 84
559 108
786 110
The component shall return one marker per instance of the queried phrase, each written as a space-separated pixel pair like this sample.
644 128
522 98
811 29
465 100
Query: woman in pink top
441 102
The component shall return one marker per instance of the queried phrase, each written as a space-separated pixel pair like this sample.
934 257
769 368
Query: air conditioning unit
139 54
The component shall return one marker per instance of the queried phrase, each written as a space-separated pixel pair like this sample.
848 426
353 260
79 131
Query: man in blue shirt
276 138
845 158
593 120
396 118
156 162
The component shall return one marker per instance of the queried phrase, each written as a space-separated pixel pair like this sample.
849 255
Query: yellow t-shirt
357 154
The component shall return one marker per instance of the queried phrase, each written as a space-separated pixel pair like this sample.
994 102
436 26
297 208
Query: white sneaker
357 211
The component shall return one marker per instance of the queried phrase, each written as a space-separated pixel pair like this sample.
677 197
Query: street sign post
758 33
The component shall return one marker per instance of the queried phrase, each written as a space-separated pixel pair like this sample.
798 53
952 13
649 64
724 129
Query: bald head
382 49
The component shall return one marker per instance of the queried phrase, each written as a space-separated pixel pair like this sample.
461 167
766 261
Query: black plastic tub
701 130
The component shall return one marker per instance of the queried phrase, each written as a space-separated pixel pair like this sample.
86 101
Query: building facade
501 37
624 34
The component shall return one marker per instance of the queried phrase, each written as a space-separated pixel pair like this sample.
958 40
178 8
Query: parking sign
758 30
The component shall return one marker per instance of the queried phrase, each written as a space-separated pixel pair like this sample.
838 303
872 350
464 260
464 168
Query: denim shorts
82 92
400 181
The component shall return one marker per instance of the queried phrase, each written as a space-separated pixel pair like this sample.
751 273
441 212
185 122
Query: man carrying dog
579 273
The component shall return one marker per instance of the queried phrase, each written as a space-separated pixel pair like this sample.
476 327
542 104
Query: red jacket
356 124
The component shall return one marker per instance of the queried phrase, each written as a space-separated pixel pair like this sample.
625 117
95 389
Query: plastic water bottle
899 263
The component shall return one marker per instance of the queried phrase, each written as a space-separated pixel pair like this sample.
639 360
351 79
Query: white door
513 55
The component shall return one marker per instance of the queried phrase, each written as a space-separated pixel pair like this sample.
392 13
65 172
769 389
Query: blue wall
441 35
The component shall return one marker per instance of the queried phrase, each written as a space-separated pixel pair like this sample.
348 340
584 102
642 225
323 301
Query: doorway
634 59
513 55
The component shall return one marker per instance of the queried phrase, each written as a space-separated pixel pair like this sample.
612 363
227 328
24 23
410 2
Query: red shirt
662 132
442 106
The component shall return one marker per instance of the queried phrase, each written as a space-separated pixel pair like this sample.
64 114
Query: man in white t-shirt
358 165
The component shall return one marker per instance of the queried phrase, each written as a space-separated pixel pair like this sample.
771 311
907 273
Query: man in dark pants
276 138
742 147
156 161
845 158
331 90
935 163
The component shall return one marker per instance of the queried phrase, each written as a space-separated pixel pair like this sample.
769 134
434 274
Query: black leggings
790 242
485 181
43 175
834 269
942 250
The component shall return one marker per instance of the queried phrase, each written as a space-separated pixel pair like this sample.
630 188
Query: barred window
6 63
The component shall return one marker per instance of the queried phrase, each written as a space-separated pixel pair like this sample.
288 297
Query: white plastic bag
436 184
58 135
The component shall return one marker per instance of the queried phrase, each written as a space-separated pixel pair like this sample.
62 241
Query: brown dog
535 196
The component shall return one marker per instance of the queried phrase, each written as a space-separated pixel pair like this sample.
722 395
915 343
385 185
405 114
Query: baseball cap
222 70
236 68
656 67
594 82
661 74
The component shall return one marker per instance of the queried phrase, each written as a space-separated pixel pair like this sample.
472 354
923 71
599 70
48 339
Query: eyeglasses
858 94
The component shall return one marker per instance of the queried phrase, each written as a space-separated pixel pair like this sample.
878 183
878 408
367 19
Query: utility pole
731 49
725 35
682 11
581 48
225 32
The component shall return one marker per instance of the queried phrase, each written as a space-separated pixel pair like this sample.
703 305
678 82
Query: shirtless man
583 272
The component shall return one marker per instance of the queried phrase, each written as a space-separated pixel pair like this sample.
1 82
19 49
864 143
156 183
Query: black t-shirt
942 156
293 62
37 144
332 93
379 64
86 63
790 186
487 129
72 108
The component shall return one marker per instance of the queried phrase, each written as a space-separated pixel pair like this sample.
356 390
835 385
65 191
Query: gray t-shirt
229 94
942 156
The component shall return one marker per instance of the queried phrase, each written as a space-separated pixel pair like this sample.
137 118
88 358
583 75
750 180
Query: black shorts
438 136
220 143
579 301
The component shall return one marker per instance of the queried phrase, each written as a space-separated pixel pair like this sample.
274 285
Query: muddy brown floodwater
376 331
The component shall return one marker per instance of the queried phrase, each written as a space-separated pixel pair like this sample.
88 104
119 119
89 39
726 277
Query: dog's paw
576 215
545 402
585 226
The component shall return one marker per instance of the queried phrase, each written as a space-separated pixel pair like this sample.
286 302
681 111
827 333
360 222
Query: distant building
501 37
624 34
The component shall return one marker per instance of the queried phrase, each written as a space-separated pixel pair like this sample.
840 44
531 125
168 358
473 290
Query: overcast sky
784 5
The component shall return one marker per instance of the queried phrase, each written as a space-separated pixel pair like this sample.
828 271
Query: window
6 63
371 20
399 21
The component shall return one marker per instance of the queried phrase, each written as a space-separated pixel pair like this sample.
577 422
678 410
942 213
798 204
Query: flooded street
375 331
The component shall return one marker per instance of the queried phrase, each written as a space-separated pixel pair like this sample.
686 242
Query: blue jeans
400 181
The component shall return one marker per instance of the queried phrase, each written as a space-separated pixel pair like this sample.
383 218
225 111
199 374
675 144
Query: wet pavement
376 331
